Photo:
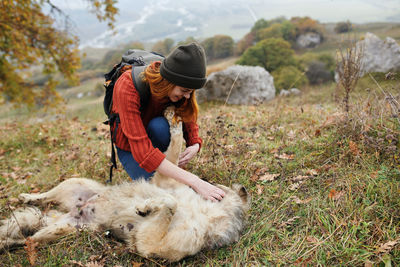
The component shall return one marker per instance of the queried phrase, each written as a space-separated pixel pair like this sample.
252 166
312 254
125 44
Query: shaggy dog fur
162 218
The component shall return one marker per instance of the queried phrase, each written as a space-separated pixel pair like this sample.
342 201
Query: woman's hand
208 191
188 154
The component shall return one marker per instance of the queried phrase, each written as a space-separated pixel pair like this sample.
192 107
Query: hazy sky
357 11
96 34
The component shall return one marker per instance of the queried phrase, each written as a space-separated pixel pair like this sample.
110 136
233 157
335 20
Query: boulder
379 55
292 91
246 85
308 40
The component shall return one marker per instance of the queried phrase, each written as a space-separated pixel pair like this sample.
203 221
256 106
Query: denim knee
158 132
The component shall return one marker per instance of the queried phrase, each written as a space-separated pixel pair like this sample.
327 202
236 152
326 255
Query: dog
162 218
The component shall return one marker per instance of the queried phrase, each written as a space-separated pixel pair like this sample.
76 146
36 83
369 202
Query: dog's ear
243 194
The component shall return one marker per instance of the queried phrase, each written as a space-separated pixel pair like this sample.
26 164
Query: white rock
240 85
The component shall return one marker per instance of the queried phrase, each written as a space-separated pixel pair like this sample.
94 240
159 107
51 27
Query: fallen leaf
136 264
335 195
260 171
254 178
13 200
284 156
16 169
94 264
354 148
269 176
387 247
30 248
312 239
289 222
79 263
297 200
35 190
295 186
291 134
300 178
317 133
260 189
368 264
312 172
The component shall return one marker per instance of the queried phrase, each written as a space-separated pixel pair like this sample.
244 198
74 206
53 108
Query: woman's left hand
188 154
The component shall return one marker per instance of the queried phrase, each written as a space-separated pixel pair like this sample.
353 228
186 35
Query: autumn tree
30 39
306 24
244 43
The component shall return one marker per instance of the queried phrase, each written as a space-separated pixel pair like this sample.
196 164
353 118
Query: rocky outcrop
240 85
379 55
308 40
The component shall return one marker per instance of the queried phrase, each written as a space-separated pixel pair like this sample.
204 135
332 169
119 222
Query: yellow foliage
30 39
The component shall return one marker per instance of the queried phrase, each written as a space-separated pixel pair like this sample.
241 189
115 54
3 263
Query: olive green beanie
185 66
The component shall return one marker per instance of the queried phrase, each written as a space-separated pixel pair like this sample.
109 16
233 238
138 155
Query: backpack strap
144 94
142 87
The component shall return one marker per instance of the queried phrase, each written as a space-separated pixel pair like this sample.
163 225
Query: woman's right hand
208 191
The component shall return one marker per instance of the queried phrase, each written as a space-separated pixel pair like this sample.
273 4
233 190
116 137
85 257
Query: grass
334 199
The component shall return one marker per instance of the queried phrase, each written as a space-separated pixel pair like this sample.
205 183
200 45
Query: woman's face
179 92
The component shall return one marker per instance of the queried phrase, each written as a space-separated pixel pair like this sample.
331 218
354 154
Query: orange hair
187 109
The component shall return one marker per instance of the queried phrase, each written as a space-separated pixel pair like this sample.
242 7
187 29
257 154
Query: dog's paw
146 208
27 198
152 206
171 204
169 113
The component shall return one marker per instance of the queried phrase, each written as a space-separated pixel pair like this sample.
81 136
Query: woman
142 136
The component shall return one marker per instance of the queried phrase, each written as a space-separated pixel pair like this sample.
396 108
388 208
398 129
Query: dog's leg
157 215
175 128
22 223
71 193
61 227
173 151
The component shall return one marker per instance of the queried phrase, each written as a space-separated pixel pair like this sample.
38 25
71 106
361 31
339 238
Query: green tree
260 24
223 46
29 38
273 31
270 54
218 46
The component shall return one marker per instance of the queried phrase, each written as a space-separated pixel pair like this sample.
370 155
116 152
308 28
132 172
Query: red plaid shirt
131 133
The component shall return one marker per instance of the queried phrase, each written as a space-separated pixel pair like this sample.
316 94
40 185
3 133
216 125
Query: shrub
269 54
287 77
343 27
317 73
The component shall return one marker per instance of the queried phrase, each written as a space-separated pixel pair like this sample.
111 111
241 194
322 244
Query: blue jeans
158 132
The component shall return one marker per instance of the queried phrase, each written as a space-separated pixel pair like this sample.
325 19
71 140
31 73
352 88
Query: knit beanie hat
185 66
